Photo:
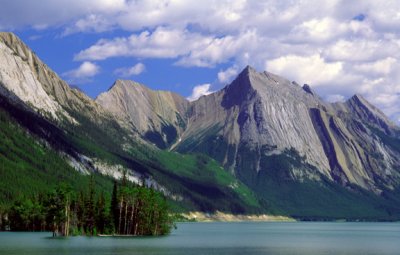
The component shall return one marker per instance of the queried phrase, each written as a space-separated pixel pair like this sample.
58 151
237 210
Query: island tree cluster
132 210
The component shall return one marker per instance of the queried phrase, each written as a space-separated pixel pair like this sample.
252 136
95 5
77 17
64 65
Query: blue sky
191 47
58 52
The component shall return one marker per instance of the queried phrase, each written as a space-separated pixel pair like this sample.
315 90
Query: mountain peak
368 112
246 73
16 44
358 97
9 36
158 116
359 100
120 83
249 82
249 69
240 89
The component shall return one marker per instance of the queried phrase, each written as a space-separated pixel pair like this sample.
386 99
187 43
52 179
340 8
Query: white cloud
161 43
91 23
379 67
200 90
130 71
81 74
361 50
335 98
218 50
191 49
227 75
318 30
312 69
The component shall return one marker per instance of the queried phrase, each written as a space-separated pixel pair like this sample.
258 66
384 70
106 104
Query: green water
223 238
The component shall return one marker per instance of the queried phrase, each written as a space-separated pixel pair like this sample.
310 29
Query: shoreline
227 217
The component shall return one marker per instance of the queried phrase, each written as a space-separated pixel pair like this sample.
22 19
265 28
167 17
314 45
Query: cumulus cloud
379 67
161 43
361 50
309 69
191 49
200 90
83 73
318 30
226 76
130 71
92 23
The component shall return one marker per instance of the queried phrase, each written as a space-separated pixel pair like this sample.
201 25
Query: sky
191 47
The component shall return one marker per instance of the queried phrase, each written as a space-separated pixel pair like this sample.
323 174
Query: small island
132 210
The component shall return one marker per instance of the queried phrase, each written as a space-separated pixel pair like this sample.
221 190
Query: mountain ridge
275 145
280 113
152 113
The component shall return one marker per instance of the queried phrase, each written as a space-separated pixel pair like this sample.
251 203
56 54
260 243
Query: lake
283 238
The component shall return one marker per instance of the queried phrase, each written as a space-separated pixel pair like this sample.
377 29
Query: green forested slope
29 166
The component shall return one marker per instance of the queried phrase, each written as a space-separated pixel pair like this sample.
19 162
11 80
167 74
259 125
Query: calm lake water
223 238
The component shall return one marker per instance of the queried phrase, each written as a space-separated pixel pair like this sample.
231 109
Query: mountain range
262 144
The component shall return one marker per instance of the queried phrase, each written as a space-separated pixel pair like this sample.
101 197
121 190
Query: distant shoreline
218 216
227 217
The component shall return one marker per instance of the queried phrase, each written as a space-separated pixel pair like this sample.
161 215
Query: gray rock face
159 116
258 109
25 76
261 110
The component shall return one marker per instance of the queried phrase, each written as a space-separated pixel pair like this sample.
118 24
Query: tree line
132 210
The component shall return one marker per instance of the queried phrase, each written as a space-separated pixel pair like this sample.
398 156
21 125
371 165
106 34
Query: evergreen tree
101 215
89 209
80 213
114 206
56 214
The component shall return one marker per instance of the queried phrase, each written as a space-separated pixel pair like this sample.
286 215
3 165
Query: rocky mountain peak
241 89
158 116
125 84
248 70
20 77
365 111
12 41
25 76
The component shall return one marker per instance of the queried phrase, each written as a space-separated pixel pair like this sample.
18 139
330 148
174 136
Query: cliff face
258 109
158 116
18 75
24 76
261 114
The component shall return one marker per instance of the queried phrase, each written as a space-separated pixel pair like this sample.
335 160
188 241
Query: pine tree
89 209
114 206
101 216
56 211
